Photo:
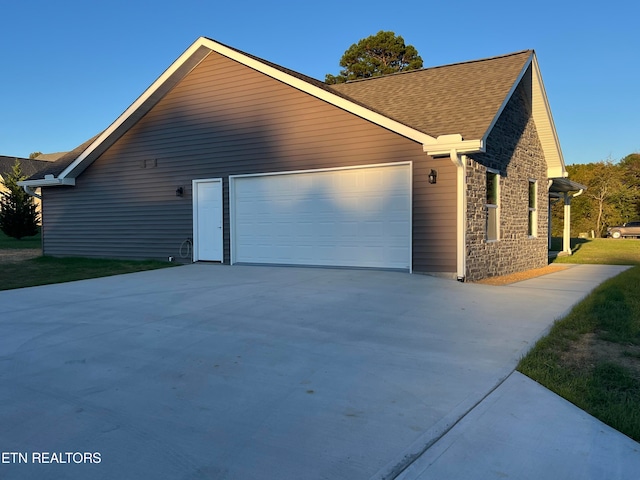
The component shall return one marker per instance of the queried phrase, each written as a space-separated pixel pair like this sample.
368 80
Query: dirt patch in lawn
520 276
589 351
18 255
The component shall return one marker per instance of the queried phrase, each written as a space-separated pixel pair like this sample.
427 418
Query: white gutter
29 190
461 209
47 181
447 143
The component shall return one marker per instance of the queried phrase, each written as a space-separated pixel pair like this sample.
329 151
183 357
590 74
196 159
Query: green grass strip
48 270
606 389
7 242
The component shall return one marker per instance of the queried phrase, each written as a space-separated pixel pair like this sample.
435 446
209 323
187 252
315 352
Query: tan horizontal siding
226 119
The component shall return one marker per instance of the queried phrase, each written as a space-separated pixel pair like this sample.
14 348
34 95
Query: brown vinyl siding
434 229
227 119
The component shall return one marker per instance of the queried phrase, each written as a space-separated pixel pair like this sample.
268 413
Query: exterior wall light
179 192
433 176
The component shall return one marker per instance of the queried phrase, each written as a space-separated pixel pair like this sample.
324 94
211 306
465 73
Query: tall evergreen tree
18 216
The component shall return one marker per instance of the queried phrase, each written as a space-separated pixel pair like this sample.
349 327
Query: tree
33 155
631 168
376 55
18 216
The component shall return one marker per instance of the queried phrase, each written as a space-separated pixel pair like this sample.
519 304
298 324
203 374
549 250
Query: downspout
549 183
461 209
566 235
31 192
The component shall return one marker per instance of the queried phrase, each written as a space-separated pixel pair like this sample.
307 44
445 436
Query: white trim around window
492 205
532 220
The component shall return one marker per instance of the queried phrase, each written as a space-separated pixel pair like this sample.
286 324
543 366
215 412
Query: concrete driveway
209 371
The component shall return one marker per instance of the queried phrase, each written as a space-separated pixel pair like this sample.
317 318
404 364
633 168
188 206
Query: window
533 208
493 205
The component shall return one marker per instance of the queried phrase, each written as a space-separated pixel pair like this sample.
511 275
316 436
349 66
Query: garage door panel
350 217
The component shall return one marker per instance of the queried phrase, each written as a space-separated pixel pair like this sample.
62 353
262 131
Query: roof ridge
466 62
277 66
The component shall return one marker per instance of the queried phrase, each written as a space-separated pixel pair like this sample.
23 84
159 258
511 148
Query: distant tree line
612 197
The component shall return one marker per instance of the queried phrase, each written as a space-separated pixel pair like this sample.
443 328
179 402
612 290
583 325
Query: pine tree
379 54
18 216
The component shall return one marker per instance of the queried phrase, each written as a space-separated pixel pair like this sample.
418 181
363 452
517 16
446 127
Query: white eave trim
448 143
48 181
174 75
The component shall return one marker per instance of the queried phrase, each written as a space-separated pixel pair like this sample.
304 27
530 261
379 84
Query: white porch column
566 235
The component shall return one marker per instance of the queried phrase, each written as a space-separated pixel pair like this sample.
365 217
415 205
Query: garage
348 217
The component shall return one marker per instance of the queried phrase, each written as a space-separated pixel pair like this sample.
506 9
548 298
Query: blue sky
69 68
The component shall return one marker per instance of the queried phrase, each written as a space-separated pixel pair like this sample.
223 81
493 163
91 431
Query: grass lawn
592 356
624 251
46 270
26 242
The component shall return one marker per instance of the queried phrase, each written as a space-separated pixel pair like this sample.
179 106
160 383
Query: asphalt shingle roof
461 98
29 167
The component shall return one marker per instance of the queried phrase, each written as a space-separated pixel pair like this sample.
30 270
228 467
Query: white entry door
355 217
207 220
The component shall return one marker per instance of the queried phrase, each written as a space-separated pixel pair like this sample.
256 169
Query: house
49 157
443 170
29 167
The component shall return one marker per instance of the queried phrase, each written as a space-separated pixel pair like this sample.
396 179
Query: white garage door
357 217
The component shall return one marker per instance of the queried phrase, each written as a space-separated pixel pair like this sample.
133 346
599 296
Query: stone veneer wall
513 148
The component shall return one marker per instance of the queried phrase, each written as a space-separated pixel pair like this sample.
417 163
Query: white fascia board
48 182
174 73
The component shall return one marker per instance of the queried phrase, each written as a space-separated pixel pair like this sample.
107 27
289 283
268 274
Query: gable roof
443 108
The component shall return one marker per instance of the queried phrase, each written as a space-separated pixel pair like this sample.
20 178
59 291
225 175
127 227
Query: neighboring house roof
445 108
50 157
55 168
29 166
